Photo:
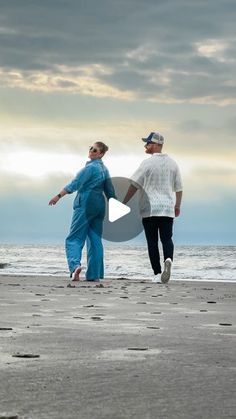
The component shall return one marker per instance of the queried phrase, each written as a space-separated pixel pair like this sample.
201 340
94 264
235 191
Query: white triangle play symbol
116 210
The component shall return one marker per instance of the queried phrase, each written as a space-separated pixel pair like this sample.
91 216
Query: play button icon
122 222
116 210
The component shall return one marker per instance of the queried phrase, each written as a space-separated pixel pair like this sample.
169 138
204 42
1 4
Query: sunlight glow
38 165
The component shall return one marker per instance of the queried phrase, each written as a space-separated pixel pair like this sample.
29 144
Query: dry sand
123 349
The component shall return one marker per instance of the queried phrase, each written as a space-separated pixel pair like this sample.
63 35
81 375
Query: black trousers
155 228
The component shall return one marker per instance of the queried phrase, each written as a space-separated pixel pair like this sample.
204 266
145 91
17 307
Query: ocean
123 261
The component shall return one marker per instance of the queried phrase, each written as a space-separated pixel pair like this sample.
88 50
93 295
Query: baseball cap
154 137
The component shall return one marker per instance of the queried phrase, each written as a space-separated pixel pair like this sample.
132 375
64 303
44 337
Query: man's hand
177 211
130 193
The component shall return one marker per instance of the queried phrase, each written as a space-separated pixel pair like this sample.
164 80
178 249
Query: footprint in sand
18 355
153 327
6 328
136 348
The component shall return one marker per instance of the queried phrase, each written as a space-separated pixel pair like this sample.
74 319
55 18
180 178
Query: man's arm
178 202
137 179
130 193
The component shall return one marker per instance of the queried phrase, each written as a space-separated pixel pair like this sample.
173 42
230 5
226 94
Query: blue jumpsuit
88 216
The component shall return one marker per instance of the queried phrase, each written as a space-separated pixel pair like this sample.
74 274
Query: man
159 182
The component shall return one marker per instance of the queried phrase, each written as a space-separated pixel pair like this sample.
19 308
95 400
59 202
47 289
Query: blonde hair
103 147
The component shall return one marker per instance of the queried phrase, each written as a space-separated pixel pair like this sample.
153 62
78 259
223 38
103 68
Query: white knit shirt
157 178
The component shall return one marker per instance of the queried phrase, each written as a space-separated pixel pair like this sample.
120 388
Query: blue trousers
89 229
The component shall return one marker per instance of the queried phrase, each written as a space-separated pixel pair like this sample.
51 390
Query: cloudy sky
74 71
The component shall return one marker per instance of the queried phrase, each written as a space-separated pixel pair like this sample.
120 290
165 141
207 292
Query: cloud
193 126
211 181
230 125
213 49
207 132
64 79
166 51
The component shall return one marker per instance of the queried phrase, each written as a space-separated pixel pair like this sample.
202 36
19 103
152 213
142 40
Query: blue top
91 181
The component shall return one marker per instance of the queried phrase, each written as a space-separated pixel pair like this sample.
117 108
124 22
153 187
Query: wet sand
120 349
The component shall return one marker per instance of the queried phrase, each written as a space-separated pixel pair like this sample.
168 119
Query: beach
117 349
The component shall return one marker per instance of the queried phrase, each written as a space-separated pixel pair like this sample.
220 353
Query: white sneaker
156 279
165 276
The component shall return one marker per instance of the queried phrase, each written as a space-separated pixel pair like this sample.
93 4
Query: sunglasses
93 149
148 144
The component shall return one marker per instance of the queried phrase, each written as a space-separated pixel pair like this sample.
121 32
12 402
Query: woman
88 216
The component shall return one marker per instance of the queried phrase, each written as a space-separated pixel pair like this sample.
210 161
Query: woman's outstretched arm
56 198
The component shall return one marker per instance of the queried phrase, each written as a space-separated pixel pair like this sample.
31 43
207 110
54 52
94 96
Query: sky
73 72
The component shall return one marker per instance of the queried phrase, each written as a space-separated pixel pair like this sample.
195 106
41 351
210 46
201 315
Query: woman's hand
54 200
